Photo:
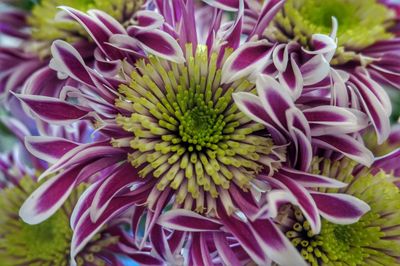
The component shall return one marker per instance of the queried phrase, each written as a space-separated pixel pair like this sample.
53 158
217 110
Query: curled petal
314 70
49 197
249 57
292 79
340 208
161 44
347 146
49 149
52 110
311 180
275 244
147 19
332 120
275 99
185 220
227 5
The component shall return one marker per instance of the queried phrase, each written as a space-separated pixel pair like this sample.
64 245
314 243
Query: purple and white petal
340 208
52 110
185 220
161 44
247 59
49 149
346 145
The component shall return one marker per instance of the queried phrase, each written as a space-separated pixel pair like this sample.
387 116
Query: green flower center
361 23
374 238
187 130
47 243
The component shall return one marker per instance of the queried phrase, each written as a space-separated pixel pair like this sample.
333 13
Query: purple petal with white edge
245 237
323 45
270 9
49 149
280 57
275 198
53 110
188 221
199 253
147 19
347 146
247 59
275 244
68 61
251 105
161 44
292 79
304 152
108 21
304 200
224 251
373 107
340 208
126 43
340 96
118 181
160 243
388 163
84 153
98 31
85 229
315 70
275 99
83 204
325 120
311 180
227 5
49 197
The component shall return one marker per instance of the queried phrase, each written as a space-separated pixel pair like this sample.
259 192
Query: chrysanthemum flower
176 140
373 239
26 62
47 243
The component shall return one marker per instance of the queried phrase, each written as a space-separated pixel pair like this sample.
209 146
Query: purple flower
184 152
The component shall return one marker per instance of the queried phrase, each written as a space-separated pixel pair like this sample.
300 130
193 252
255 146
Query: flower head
357 29
47 243
372 238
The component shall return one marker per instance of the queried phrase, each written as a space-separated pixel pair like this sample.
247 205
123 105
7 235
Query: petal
274 99
311 180
96 29
375 103
227 5
118 181
224 251
161 44
292 79
314 70
330 120
49 197
53 110
267 14
86 229
304 201
245 237
147 19
251 105
347 146
247 59
146 259
340 208
49 149
107 21
185 220
275 244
